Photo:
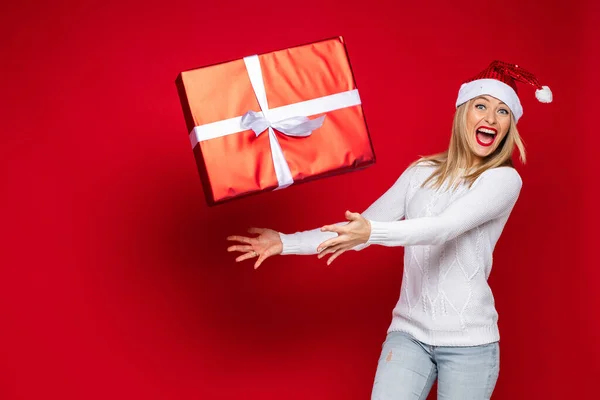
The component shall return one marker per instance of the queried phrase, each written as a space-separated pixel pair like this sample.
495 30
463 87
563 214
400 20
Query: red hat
499 80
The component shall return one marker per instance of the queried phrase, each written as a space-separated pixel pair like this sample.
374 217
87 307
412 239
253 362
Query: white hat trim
492 87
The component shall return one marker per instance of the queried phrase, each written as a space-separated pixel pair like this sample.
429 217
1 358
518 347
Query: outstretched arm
388 207
492 196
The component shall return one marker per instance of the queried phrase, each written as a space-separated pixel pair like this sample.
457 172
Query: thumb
262 258
352 216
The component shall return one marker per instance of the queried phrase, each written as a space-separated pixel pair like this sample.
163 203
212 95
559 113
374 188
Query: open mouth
485 135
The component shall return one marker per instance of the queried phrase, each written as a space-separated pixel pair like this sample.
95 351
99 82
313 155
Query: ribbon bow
295 126
299 126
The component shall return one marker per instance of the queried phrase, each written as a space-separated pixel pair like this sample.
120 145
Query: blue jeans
407 369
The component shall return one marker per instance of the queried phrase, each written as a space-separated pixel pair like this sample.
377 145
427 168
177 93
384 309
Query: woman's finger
352 216
326 244
325 251
333 228
334 256
332 249
246 256
237 238
244 248
333 242
262 257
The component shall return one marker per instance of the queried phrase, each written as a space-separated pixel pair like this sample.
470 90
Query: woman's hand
355 232
263 246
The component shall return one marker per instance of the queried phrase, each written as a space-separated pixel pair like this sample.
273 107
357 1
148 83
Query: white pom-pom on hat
544 95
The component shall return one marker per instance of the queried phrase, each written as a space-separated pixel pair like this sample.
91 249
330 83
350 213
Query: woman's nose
490 117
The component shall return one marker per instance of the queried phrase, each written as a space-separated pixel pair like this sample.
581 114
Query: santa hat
499 80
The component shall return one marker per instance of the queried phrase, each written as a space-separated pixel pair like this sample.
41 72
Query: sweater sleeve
388 207
492 196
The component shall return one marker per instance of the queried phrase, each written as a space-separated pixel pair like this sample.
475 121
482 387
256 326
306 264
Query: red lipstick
481 143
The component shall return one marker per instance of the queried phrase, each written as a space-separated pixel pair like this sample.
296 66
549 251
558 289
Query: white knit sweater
449 237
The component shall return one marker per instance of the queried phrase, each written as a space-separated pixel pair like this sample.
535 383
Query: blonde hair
459 154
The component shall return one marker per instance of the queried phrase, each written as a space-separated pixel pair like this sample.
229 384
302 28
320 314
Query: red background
115 280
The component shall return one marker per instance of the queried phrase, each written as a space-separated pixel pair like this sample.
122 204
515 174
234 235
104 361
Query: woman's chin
479 155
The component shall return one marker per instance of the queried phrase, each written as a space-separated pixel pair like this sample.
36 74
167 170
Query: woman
448 211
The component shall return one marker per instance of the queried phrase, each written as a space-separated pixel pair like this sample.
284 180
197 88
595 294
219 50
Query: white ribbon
293 126
291 120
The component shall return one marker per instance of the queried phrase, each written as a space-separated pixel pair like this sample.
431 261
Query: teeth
489 131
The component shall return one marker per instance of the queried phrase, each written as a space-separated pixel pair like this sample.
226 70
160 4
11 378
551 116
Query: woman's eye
480 106
503 111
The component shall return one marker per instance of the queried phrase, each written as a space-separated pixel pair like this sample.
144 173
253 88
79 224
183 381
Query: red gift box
267 121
